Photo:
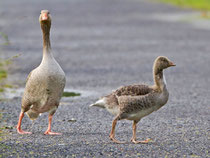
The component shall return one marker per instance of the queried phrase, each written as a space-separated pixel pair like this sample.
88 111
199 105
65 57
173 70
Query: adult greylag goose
134 102
45 84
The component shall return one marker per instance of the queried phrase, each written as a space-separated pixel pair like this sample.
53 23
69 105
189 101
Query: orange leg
19 130
112 134
48 131
133 139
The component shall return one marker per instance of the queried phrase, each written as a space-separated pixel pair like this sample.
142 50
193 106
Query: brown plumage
45 84
133 102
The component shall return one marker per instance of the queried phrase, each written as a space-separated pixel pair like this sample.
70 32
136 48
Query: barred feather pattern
136 101
133 90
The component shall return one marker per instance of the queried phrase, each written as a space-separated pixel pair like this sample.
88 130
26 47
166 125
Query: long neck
159 79
46 39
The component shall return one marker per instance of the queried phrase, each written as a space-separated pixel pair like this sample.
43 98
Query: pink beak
44 16
171 64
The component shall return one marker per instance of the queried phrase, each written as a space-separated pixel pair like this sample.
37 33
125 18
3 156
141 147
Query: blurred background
98 37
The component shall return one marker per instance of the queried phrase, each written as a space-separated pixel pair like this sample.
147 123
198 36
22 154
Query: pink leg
19 130
48 131
112 134
133 139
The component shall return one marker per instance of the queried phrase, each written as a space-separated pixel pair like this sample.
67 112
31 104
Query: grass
3 75
202 5
3 63
5 37
70 94
195 4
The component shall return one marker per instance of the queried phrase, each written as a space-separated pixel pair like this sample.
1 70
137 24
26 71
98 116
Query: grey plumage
44 88
45 84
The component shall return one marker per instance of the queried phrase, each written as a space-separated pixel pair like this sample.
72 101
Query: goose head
45 19
161 63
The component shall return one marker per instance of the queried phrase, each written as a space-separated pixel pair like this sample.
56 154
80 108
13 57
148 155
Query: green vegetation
3 63
4 66
196 4
70 94
5 37
3 74
202 5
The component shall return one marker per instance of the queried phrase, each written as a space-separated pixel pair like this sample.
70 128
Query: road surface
101 45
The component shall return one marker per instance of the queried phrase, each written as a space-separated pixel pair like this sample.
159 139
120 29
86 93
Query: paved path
101 45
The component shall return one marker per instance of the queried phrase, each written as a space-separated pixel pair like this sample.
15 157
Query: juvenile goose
45 84
136 101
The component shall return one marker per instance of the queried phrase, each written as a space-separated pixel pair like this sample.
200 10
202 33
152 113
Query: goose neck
159 80
46 42
46 37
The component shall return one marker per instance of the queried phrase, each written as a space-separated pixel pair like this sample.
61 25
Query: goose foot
48 131
115 140
112 134
20 131
142 142
51 133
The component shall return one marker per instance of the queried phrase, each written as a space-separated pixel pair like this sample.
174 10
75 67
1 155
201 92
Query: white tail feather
100 103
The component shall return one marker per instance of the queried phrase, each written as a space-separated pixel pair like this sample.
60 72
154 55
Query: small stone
72 120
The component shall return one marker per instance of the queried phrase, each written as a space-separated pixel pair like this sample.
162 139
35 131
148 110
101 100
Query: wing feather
133 90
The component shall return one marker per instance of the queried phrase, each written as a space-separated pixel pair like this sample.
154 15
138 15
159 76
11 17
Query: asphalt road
101 45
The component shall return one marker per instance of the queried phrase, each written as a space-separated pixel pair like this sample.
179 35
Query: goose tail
100 103
32 115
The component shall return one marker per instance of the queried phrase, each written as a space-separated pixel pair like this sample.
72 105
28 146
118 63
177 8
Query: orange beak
44 16
171 64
